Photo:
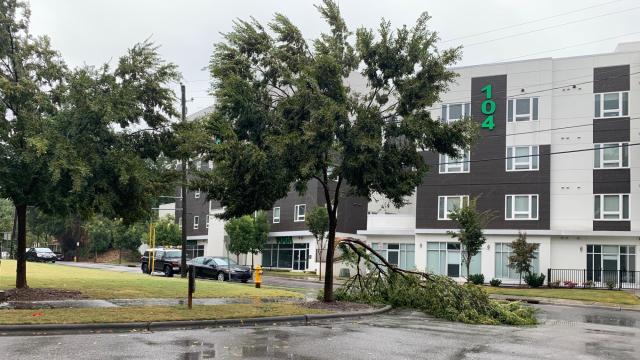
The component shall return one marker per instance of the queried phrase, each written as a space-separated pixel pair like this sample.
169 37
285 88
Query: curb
48 329
546 301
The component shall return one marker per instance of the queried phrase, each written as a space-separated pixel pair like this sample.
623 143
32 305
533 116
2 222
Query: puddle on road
610 320
199 355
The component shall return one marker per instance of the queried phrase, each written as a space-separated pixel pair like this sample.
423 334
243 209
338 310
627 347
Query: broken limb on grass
378 282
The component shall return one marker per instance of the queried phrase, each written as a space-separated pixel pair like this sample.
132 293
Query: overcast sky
96 31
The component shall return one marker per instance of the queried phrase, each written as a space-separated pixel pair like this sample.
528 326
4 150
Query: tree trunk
21 254
328 274
251 261
120 256
320 263
468 264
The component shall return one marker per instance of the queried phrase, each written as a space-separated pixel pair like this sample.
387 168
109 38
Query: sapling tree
523 255
318 223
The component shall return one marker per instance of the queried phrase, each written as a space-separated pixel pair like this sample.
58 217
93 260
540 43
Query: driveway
565 333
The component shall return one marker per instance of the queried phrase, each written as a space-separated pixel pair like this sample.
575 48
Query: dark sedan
220 268
41 254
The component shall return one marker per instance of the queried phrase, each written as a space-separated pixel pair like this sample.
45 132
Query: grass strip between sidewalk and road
151 313
104 284
587 295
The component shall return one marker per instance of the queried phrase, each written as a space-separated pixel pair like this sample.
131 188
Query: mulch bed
339 306
40 294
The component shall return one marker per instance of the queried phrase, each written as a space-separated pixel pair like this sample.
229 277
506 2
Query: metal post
192 286
183 260
548 277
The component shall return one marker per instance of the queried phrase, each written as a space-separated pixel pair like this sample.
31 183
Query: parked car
59 256
41 254
220 268
165 260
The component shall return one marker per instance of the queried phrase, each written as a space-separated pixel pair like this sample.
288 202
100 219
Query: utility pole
183 262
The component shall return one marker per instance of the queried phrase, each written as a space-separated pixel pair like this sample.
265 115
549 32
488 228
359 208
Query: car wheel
145 269
168 272
53 261
221 277
244 281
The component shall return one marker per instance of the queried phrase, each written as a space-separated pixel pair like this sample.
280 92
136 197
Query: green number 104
488 108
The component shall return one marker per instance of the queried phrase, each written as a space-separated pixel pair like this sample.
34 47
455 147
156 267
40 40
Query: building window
285 255
401 255
180 222
453 112
613 104
503 271
450 165
276 215
521 207
206 219
611 207
610 156
523 109
196 221
446 204
196 194
445 258
198 165
607 262
522 158
299 212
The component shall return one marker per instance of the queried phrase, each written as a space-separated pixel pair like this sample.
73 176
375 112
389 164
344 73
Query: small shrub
477 279
554 284
570 284
534 280
588 284
610 284
495 282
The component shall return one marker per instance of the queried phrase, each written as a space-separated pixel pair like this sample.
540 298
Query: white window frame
198 165
196 194
276 219
600 113
599 156
296 215
448 165
196 222
466 111
210 164
619 213
534 102
206 219
520 160
444 199
512 216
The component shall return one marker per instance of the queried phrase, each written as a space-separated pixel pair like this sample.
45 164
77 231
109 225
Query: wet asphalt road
565 333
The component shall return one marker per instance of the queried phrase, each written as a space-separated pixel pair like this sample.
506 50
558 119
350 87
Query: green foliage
317 222
611 284
470 235
534 280
440 296
100 233
523 255
495 282
168 233
476 279
247 234
6 215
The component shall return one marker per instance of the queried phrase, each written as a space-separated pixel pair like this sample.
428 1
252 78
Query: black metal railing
596 279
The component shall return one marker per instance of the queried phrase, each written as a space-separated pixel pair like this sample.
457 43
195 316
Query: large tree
65 143
350 111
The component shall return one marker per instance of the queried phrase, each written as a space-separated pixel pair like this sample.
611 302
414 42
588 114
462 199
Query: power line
551 27
556 128
529 22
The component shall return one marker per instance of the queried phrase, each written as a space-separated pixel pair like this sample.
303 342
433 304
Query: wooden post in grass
192 286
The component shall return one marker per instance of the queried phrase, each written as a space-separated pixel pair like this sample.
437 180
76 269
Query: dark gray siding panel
195 207
488 179
352 214
611 225
611 78
287 208
611 130
611 181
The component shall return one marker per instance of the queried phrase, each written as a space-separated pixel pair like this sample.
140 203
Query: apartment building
556 158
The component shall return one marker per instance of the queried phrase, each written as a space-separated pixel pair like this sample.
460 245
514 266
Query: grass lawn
104 284
150 313
603 296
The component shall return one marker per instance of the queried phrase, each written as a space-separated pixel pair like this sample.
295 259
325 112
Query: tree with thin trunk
288 112
241 235
65 141
471 223
523 255
318 223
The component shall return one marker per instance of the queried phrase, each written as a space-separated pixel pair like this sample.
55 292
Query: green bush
534 280
439 296
495 282
476 279
610 284
554 284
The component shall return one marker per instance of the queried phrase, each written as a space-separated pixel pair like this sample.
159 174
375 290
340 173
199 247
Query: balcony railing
596 279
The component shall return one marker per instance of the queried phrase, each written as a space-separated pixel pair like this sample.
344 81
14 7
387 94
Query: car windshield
172 254
223 261
43 250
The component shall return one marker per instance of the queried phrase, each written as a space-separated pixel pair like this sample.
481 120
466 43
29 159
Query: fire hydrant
258 279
